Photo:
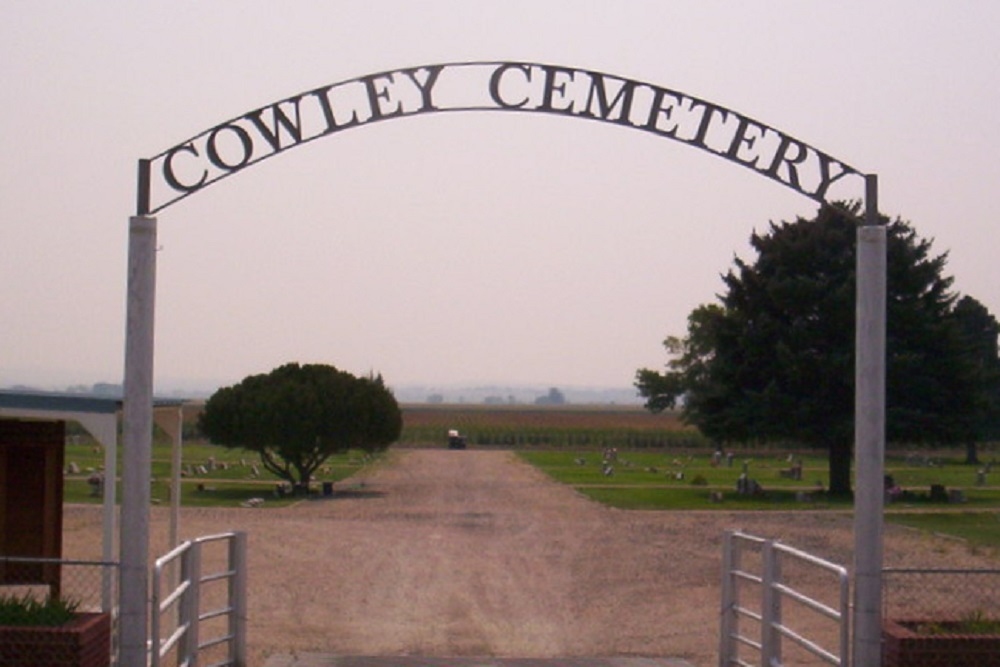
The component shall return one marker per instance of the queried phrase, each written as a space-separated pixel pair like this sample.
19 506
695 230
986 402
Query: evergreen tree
979 332
774 360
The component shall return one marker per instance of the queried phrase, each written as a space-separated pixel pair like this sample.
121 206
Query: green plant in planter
27 610
976 623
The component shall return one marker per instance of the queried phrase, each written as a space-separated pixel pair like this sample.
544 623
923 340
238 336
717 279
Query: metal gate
180 625
754 599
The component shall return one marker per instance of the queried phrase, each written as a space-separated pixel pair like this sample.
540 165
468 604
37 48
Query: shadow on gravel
323 660
355 493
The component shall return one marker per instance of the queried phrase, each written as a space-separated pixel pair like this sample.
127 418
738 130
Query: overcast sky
473 247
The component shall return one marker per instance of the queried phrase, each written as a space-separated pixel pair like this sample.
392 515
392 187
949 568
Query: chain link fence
941 618
38 595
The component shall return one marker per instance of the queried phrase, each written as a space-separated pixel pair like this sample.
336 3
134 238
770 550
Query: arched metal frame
513 87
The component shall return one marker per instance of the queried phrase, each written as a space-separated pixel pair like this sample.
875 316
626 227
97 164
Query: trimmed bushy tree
297 416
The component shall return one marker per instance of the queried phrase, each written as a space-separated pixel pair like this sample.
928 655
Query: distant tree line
554 397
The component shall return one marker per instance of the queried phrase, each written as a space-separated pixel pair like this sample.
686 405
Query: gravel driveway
474 553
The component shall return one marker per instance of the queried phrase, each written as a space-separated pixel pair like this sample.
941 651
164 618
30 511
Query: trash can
327 489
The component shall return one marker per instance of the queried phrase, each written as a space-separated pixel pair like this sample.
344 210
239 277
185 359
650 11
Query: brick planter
902 647
83 642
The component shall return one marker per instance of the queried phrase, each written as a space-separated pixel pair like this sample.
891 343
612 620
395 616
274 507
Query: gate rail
184 600
772 591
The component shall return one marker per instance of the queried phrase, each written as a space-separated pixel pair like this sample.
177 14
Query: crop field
547 426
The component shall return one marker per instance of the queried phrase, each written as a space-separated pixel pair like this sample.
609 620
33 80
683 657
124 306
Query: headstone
748 487
795 472
96 482
742 484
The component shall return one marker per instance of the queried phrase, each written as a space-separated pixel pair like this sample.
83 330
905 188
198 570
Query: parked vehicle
455 441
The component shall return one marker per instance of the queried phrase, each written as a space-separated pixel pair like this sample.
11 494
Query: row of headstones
96 477
211 464
203 469
611 457
745 485
794 472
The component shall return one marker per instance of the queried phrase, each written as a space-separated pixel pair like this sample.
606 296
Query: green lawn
699 498
658 480
977 528
229 482
640 480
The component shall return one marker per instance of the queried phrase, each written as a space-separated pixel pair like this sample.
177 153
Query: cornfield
577 427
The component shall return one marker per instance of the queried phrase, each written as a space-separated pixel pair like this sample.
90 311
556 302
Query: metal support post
869 432
238 597
728 621
190 606
770 606
175 477
138 432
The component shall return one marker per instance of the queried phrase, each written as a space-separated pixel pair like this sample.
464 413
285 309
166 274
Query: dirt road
473 553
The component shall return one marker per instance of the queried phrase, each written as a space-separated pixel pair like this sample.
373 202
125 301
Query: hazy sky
462 247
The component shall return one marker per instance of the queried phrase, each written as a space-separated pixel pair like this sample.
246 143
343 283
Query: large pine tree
980 333
774 360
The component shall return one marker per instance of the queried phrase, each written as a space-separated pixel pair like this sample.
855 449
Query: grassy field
662 464
976 528
688 480
645 480
213 476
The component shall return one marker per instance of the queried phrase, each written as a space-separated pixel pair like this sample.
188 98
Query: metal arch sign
237 143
